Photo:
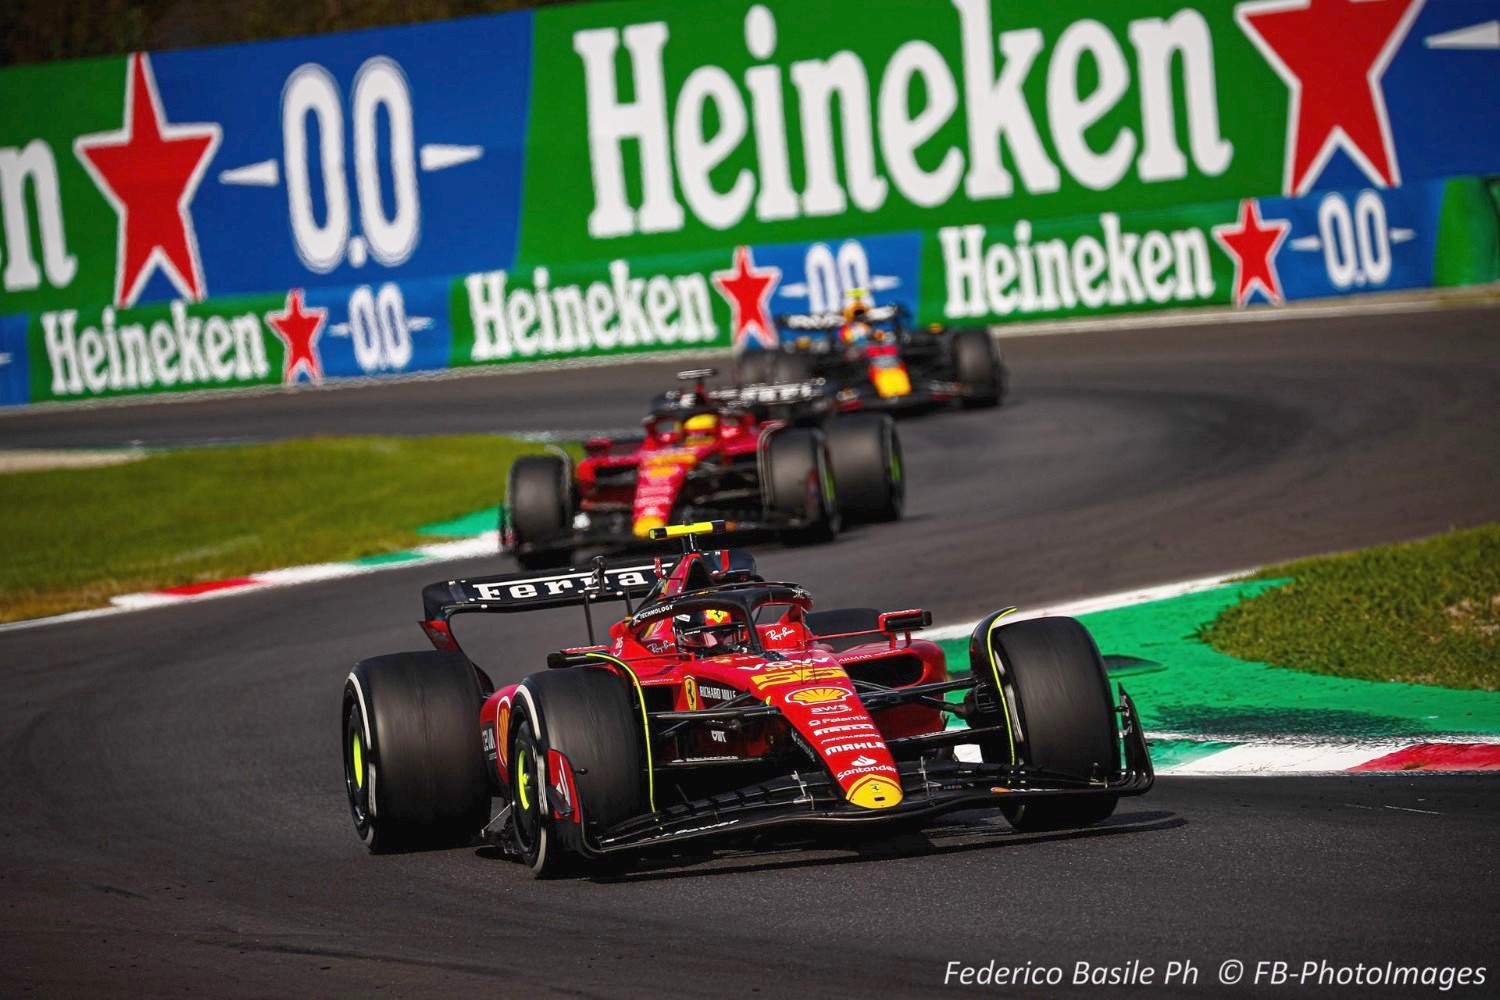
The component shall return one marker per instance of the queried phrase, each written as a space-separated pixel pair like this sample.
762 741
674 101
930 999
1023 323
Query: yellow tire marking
640 693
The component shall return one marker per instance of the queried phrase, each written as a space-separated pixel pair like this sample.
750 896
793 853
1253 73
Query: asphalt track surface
176 819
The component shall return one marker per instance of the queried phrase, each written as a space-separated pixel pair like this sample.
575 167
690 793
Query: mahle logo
841 105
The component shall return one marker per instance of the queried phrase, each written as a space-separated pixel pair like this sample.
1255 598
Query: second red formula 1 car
764 458
720 705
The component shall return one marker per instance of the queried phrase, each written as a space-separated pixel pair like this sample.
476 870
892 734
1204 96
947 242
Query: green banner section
1067 267
222 344
660 127
60 231
589 309
1468 250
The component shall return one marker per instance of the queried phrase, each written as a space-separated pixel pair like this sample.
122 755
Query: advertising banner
608 178
1257 250
662 127
378 155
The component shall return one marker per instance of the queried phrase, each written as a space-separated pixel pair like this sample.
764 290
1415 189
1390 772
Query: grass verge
1426 612
73 538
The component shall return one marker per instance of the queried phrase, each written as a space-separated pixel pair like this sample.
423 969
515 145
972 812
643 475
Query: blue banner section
14 372
815 277
1347 242
364 157
1440 90
384 329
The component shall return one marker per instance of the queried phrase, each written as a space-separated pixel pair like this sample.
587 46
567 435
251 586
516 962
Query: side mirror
904 621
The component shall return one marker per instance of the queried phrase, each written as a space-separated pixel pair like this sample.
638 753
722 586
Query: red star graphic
1332 54
149 171
1253 245
748 292
299 329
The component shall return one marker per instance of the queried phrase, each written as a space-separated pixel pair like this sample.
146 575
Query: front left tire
587 715
1061 717
413 762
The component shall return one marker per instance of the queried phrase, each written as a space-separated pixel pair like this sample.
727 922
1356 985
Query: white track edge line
291 576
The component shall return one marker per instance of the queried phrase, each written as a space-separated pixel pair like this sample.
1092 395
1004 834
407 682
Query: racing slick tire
1062 715
866 454
800 484
585 714
539 501
977 368
755 367
413 761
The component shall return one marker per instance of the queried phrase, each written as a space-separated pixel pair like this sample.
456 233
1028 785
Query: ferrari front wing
929 788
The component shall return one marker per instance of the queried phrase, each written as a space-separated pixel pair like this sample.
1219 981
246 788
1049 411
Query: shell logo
817 696
502 734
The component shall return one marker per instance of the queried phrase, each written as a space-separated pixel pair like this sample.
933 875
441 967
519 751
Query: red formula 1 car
764 458
724 704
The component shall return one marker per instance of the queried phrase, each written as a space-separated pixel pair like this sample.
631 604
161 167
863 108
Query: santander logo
862 761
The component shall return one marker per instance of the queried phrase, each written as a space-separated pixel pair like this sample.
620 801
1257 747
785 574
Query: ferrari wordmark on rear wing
772 394
536 591
760 395
511 592
577 586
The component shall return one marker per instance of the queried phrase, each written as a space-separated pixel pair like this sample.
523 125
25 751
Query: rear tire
539 499
801 485
866 455
587 715
1062 715
978 369
413 761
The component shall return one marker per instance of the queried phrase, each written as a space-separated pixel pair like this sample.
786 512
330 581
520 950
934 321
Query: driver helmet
701 429
856 308
711 631
856 304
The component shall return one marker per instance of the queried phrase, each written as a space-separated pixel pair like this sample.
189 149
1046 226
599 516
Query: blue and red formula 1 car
723 704
874 359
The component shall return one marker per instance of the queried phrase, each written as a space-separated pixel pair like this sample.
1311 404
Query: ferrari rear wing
510 592
772 394
579 586
815 397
